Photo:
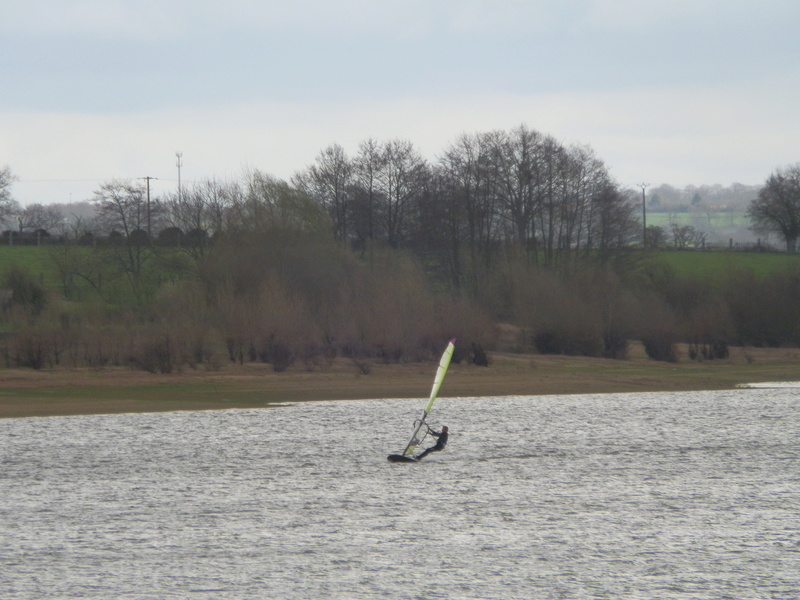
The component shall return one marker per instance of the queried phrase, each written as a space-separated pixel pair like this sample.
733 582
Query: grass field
37 260
715 220
87 264
716 264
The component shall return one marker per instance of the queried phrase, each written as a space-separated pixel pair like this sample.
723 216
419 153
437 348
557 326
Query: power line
57 180
167 179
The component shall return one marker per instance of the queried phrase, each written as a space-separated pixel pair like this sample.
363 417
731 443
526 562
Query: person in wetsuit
441 442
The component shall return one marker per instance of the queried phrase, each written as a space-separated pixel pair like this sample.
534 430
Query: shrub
661 346
156 356
615 345
26 291
716 349
478 356
29 351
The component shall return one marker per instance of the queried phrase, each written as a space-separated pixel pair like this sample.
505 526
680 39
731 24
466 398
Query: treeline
381 256
488 193
706 198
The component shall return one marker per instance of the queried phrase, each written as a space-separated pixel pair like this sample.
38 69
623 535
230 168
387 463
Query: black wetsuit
441 442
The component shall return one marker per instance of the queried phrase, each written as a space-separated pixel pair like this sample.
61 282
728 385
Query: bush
156 355
478 356
716 349
29 351
615 345
661 346
26 292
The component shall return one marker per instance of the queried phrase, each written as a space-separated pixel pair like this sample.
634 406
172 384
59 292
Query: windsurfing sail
420 427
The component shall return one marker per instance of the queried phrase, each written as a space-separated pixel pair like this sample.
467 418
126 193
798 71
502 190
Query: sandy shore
60 391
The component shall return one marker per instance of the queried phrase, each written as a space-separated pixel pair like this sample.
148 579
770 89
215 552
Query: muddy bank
88 391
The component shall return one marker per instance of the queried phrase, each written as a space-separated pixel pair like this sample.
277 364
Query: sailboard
420 426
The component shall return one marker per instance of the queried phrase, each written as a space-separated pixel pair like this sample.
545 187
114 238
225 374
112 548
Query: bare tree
368 194
201 212
656 237
585 181
123 209
777 208
686 236
403 180
520 188
614 223
270 203
330 182
39 217
8 206
526 191
469 169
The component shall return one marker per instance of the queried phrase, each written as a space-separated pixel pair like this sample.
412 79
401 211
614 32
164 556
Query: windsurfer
441 442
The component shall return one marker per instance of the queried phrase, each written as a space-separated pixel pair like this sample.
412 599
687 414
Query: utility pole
147 179
644 186
179 163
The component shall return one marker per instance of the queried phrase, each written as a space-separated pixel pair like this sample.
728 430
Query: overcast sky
683 92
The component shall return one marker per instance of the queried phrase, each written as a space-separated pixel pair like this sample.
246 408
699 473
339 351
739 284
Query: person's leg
425 453
435 448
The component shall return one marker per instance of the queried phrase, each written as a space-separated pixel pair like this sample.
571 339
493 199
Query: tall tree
403 179
330 181
368 195
203 210
123 207
613 223
521 190
777 208
469 169
270 203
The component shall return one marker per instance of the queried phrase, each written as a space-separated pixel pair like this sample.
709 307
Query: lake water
689 495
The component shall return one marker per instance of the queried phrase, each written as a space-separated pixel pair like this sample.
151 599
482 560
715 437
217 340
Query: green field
711 221
86 274
35 260
38 261
715 264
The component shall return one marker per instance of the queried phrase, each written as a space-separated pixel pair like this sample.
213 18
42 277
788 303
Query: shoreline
63 392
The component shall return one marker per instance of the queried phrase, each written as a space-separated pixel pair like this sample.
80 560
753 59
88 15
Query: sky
678 92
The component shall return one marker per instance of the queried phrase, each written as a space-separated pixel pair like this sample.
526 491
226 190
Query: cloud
149 19
144 19
656 17
661 135
679 91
